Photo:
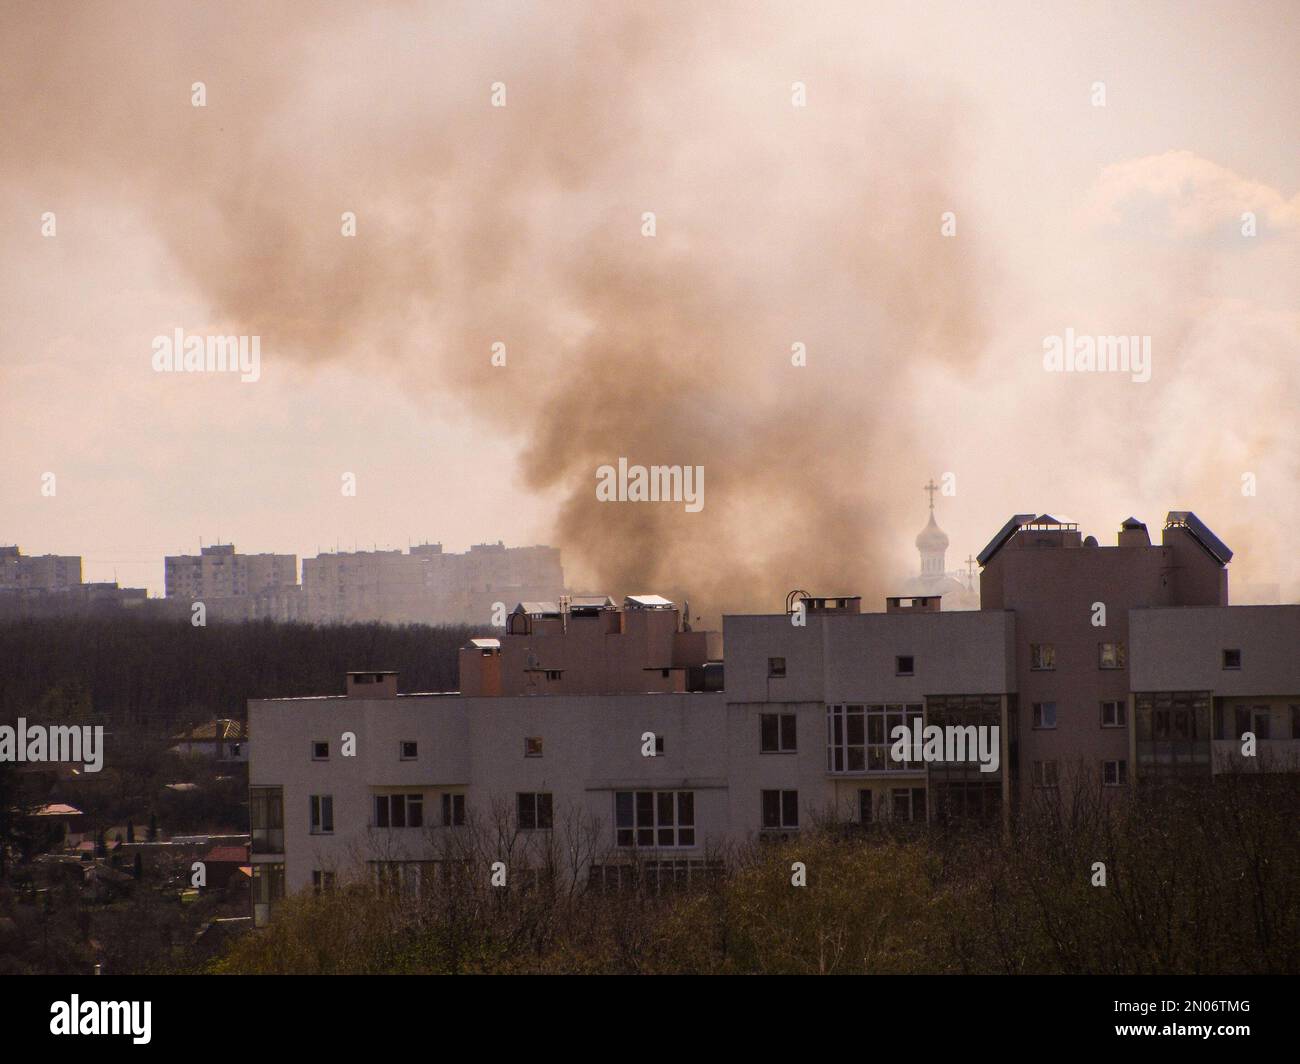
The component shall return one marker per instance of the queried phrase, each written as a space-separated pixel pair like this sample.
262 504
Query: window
659 745
322 882
399 810
1042 656
865 807
320 750
534 812
453 810
266 813
859 740
408 750
268 888
775 667
1232 659
777 733
903 665
654 818
1044 714
1044 773
1111 655
322 814
780 809
1114 714
533 746
1114 773
1261 718
908 803
553 674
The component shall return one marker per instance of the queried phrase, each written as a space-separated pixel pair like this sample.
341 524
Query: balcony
1271 755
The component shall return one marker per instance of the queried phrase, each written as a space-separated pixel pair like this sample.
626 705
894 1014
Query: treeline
151 674
1193 881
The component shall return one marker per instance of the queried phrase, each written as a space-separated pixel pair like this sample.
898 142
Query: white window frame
319 823
536 797
628 836
409 800
784 825
781 748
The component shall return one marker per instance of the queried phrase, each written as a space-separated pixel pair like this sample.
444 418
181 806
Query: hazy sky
775 224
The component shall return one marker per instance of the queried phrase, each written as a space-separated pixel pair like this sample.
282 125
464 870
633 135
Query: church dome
932 537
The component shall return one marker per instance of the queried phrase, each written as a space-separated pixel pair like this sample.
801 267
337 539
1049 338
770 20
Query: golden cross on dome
932 487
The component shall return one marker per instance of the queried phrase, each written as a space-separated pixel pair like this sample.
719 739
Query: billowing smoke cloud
775 225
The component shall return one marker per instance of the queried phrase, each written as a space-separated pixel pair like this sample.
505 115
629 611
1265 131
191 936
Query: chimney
913 604
1133 533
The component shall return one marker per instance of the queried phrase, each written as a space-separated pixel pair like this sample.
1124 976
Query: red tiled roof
227 855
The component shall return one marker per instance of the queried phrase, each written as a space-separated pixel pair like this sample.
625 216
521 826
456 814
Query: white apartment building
618 720
374 778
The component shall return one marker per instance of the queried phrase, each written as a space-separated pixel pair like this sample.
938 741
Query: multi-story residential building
428 585
46 572
1097 665
1072 600
235 586
50 585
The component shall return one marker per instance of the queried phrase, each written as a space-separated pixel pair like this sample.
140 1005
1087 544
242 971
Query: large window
533 812
658 819
1114 714
780 809
778 733
399 810
858 737
322 814
268 888
266 812
453 810
1173 731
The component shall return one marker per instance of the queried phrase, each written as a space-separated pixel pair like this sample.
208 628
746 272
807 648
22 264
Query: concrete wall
1181 649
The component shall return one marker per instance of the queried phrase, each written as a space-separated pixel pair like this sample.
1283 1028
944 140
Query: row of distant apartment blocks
52 583
424 585
1099 666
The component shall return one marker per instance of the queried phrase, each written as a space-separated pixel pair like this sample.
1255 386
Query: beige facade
233 586
427 585
45 572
